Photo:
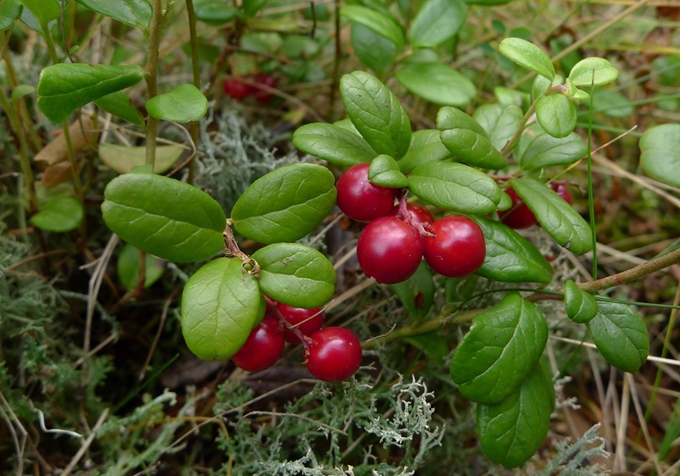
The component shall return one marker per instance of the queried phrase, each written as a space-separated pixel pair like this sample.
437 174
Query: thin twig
86 444
161 325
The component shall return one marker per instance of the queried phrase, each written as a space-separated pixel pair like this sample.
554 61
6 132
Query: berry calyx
263 347
260 94
389 250
519 215
236 89
359 199
457 249
416 215
335 354
307 321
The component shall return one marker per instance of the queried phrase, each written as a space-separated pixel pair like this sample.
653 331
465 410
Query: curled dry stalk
231 250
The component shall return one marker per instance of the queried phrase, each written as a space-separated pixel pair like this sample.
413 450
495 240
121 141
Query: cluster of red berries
238 89
520 216
332 354
391 246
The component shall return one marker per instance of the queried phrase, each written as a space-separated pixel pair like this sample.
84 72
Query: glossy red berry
359 199
263 347
389 250
307 321
561 189
260 94
335 354
236 89
458 247
519 215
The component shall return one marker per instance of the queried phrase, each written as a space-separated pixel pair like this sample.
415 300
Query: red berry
561 189
518 216
458 247
335 354
389 250
308 321
235 88
260 94
359 199
263 347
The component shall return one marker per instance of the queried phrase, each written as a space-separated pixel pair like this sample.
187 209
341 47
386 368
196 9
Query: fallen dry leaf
56 151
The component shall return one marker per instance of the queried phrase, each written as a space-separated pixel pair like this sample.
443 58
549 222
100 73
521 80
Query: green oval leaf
500 123
555 215
509 257
10 11
21 91
426 146
581 306
165 217
620 335
437 21
541 85
285 204
437 83
333 144
457 187
538 149
123 159
119 104
528 55
378 22
374 50
556 114
44 10
136 13
417 292
214 12
468 141
593 71
660 158
220 304
185 103
59 215
513 430
295 274
376 113
499 351
384 171
63 88
128 267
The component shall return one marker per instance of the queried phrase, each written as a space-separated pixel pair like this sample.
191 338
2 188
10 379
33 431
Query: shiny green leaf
214 12
555 215
437 83
434 344
59 215
384 171
417 292
499 351
376 113
333 144
220 305
456 187
467 140
380 23
285 204
373 50
612 103
620 335
123 159
556 114
426 146
436 22
295 274
165 217
528 55
136 13
509 257
10 11
21 91
660 146
541 85
500 123
65 87
128 267
185 103
581 306
119 105
44 10
513 430
539 149
593 71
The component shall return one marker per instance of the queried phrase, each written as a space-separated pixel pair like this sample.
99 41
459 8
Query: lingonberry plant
436 206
